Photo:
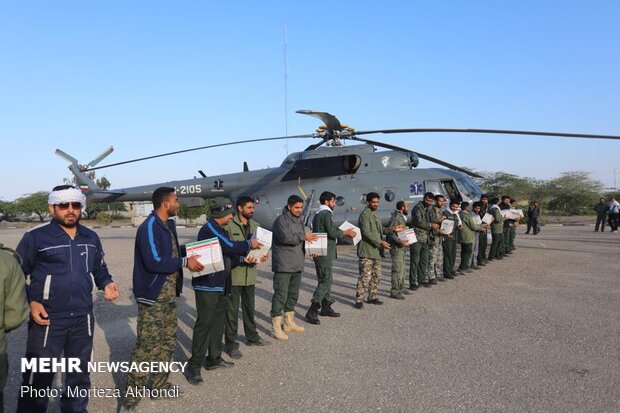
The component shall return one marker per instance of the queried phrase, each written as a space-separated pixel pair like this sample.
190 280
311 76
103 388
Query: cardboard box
347 225
488 219
265 237
408 235
210 253
318 246
447 226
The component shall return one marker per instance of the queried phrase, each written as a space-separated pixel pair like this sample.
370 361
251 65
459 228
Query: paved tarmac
537 331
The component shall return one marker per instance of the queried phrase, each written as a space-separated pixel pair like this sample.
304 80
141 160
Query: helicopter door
446 188
452 191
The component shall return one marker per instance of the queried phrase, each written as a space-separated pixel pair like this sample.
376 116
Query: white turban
67 195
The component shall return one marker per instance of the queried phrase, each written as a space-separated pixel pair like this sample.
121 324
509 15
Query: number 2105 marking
189 189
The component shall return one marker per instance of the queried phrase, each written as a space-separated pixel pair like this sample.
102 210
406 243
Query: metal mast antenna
286 87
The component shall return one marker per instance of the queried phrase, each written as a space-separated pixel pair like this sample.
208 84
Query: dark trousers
532 223
466 251
74 337
513 236
243 294
506 240
482 247
418 263
324 281
209 328
600 220
495 252
4 373
285 292
613 221
449 255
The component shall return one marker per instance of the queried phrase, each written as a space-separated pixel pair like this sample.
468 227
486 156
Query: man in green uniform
483 244
418 252
323 223
435 248
513 229
497 231
369 251
467 236
242 228
397 251
449 240
14 307
509 223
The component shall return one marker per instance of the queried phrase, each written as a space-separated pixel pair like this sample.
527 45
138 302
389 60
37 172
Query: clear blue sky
154 76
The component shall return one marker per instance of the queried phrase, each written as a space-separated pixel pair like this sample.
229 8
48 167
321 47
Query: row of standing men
63 258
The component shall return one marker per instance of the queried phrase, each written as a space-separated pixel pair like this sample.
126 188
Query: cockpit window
468 187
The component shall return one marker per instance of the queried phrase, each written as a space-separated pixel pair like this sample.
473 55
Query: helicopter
350 172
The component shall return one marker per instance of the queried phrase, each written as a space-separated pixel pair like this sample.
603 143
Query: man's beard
63 222
247 216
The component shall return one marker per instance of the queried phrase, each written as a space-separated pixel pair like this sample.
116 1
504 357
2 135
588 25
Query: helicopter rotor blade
490 131
64 155
200 148
332 122
421 155
100 157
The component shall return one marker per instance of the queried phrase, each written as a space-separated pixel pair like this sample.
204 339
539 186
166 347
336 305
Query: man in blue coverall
60 257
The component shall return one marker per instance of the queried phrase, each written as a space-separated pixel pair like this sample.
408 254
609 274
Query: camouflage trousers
435 259
157 337
370 277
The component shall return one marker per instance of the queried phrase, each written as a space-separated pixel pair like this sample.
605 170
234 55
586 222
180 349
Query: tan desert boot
289 323
276 332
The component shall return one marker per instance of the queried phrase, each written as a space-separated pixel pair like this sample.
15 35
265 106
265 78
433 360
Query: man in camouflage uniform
418 258
157 282
323 222
397 251
369 251
435 247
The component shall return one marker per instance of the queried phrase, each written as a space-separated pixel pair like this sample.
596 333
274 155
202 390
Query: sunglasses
65 205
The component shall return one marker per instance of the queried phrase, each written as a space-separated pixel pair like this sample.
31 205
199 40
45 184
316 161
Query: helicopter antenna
286 86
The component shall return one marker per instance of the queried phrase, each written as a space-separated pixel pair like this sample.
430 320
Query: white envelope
347 225
210 253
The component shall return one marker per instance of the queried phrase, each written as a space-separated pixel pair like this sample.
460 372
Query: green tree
573 193
34 204
7 210
501 183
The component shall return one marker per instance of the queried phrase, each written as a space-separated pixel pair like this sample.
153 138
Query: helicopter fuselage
349 172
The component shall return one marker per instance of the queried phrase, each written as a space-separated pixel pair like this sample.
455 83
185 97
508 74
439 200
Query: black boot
312 316
326 309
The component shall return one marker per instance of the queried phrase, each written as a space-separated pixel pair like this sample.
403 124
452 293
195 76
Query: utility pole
286 86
